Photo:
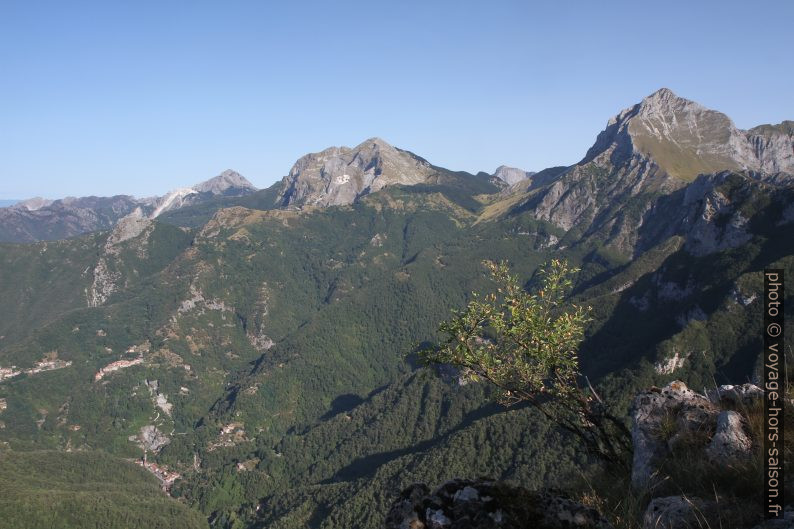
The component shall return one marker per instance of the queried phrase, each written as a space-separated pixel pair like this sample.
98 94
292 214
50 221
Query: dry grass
733 492
609 491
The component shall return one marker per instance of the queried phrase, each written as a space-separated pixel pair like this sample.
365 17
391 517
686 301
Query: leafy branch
526 344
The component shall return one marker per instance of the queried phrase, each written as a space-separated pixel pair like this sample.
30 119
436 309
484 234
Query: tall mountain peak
663 94
684 139
224 182
228 183
33 204
511 175
380 142
339 175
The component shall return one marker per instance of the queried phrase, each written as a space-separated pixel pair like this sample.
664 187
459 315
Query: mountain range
338 175
41 219
259 344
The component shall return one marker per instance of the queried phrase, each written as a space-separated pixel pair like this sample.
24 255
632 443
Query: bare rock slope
339 175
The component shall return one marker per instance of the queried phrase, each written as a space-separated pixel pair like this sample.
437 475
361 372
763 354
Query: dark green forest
285 342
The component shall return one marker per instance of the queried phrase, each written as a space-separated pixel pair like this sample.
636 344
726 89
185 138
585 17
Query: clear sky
139 97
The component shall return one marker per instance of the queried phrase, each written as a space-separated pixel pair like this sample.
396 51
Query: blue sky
114 97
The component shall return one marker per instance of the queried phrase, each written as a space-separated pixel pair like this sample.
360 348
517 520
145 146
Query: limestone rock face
772 146
660 168
474 504
658 414
131 231
740 394
663 418
711 213
730 441
511 175
127 228
686 139
339 175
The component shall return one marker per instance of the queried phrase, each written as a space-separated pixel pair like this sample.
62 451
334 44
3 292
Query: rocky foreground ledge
665 417
481 504
713 426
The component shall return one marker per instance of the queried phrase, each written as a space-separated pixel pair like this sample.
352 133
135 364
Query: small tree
526 345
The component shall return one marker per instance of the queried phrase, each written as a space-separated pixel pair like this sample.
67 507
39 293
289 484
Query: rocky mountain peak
227 180
33 204
784 128
376 141
228 183
511 175
685 139
339 175
665 96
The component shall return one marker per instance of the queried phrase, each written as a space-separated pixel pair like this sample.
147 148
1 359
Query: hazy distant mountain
511 175
6 203
41 219
228 183
32 204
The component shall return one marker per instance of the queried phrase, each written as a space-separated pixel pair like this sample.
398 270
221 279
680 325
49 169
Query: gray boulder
658 416
729 442
741 394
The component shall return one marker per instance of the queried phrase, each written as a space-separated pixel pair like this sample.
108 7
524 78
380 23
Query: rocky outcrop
729 441
106 274
664 418
711 216
150 438
474 504
740 394
159 399
105 283
340 175
127 228
772 146
658 416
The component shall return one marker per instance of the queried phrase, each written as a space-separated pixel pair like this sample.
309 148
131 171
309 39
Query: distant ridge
39 219
658 145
